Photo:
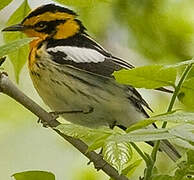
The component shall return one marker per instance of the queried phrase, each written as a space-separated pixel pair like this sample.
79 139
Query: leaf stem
177 89
155 150
148 172
139 152
150 167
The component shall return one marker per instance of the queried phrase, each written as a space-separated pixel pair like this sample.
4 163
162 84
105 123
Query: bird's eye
40 26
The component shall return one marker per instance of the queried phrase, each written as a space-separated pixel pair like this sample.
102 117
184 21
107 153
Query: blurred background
141 32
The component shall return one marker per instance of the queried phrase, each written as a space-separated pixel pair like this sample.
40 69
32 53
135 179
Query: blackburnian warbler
73 73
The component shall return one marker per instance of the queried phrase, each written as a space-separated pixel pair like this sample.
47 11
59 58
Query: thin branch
7 87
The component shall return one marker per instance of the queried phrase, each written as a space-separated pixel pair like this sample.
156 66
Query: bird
72 73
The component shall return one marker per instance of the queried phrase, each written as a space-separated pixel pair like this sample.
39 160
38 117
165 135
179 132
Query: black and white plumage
83 72
85 54
82 52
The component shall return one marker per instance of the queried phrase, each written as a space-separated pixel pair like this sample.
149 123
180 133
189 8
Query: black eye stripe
41 24
53 23
48 27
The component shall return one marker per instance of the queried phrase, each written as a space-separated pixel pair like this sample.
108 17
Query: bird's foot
87 110
101 156
44 123
56 114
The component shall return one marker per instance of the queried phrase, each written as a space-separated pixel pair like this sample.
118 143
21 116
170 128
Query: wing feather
85 54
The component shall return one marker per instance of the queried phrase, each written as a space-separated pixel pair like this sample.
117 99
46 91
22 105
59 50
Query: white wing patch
79 54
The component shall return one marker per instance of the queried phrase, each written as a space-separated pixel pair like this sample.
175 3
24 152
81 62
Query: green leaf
140 125
34 175
174 117
4 3
185 132
13 46
82 132
150 77
98 143
186 93
129 170
183 63
19 57
117 154
143 135
183 144
19 14
185 170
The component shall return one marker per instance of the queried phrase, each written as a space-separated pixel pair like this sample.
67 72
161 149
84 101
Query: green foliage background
140 31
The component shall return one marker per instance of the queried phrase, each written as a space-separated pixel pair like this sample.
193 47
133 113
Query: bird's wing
87 59
85 54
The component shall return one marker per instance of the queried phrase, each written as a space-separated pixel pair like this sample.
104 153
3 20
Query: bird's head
49 21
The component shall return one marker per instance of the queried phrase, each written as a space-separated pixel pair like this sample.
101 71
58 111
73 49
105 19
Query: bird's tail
165 145
170 150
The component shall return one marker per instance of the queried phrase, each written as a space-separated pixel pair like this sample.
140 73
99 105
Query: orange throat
32 55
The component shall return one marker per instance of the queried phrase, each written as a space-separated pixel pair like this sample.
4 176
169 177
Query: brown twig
8 88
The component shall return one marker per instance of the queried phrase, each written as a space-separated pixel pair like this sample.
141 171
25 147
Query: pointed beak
16 27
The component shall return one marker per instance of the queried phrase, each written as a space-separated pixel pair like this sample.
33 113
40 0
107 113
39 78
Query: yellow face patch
66 30
62 30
